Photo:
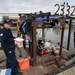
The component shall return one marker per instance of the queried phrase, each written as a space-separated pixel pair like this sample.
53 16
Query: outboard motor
41 45
41 42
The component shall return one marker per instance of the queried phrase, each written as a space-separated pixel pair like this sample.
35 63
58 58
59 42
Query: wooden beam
62 21
69 34
34 43
61 44
31 43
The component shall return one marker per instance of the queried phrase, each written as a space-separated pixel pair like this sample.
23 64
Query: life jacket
25 26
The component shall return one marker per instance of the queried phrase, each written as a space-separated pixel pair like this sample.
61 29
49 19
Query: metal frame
33 34
62 21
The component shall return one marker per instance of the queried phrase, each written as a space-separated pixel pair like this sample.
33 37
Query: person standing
8 45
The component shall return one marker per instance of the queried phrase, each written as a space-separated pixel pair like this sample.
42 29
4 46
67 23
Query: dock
50 62
70 71
46 64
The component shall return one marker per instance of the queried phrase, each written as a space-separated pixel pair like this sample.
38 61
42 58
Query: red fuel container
23 63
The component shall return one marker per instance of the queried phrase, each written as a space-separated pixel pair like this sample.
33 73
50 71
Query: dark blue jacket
7 40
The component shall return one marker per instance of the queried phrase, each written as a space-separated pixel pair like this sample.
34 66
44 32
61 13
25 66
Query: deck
46 64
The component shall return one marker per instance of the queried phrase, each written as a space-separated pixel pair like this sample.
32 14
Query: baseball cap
6 21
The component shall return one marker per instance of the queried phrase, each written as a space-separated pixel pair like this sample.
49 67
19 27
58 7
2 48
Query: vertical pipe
43 32
69 34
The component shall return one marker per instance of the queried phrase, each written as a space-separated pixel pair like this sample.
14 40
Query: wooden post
62 35
69 34
17 27
62 21
31 43
34 43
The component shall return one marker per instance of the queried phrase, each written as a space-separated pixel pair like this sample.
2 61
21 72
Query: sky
30 6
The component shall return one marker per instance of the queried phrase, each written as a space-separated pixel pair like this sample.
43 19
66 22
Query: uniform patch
1 34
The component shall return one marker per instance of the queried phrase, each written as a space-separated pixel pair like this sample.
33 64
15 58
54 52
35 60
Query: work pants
11 61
